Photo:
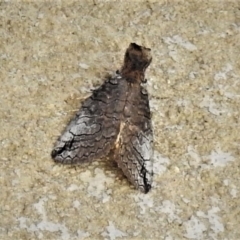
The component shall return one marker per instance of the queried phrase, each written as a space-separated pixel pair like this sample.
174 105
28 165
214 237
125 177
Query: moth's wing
92 132
134 145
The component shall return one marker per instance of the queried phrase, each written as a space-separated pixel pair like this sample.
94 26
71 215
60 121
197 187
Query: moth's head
137 58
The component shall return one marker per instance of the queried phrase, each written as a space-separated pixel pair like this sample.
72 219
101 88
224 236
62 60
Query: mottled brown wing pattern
116 117
92 132
133 147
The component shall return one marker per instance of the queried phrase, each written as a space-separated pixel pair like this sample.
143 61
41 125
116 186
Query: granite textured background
53 52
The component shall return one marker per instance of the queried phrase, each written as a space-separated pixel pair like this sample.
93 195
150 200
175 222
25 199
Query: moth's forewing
91 134
134 145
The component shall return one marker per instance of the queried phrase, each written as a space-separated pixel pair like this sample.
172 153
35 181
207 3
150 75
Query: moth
115 118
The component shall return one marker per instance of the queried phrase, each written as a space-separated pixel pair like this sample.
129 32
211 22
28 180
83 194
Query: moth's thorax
133 76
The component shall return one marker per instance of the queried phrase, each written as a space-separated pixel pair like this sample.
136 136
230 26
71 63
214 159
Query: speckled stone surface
52 54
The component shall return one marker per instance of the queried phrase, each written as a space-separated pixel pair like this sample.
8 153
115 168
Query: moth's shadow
109 165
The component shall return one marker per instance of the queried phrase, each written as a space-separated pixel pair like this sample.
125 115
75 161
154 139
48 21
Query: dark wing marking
133 147
92 132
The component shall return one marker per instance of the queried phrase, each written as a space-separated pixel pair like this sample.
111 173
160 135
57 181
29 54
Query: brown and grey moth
116 118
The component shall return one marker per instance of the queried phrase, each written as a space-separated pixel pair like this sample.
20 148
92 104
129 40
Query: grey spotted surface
115 118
